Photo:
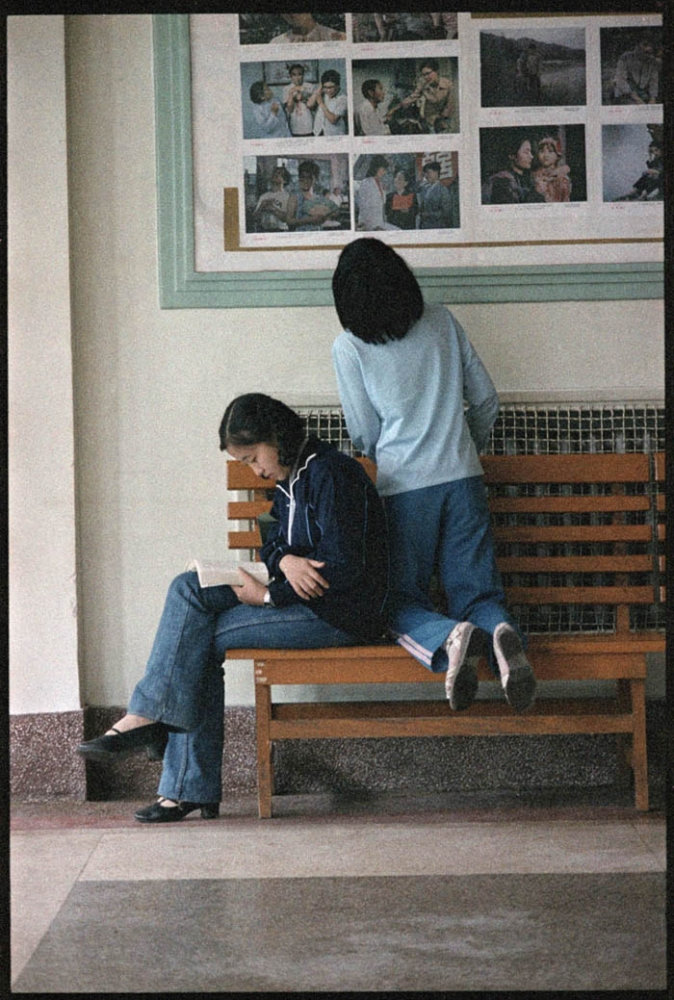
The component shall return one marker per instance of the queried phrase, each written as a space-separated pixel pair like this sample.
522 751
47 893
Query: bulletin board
508 159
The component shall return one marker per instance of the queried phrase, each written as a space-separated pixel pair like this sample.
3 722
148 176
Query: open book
212 573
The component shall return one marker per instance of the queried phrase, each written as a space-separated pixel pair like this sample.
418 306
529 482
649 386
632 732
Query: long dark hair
376 295
258 419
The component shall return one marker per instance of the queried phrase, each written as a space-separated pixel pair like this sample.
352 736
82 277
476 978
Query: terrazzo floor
388 895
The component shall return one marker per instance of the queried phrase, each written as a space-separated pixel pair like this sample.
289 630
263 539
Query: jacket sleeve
479 392
341 507
342 501
362 420
271 553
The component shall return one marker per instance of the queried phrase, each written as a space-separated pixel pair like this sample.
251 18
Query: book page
214 573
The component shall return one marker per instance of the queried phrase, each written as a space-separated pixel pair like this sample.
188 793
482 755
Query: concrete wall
150 385
43 608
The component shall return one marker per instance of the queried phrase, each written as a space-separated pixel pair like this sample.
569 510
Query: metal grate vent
550 429
555 430
538 429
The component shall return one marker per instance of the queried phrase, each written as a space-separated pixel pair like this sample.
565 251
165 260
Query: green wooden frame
181 287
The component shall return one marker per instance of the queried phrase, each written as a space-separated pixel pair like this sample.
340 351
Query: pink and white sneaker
465 646
517 677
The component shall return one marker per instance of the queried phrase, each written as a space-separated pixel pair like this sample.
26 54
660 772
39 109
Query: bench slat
458 724
244 539
239 510
606 468
576 564
567 505
555 665
579 595
437 708
573 533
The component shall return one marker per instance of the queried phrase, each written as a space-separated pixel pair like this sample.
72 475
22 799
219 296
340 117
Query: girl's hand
251 591
303 576
319 212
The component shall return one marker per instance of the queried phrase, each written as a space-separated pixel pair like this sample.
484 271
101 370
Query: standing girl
404 370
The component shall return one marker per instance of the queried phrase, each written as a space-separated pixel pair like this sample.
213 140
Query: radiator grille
538 429
553 429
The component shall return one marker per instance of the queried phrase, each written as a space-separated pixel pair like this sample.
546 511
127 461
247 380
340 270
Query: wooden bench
579 541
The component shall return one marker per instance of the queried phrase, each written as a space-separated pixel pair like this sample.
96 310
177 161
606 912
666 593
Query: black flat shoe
121 744
157 813
155 750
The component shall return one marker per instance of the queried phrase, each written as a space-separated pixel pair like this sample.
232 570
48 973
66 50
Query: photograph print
632 162
296 194
533 164
395 191
406 96
540 67
419 26
631 65
282 29
294 98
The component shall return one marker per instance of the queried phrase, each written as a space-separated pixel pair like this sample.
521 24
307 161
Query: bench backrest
579 538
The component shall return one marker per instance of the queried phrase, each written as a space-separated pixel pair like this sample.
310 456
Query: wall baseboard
44 765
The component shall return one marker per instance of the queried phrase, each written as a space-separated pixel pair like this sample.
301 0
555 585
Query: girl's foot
128 722
122 742
168 811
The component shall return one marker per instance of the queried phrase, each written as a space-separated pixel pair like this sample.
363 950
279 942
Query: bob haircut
331 76
257 91
375 163
376 295
258 419
283 173
309 167
368 87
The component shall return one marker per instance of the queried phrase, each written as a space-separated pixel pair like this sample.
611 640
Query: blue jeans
183 681
444 527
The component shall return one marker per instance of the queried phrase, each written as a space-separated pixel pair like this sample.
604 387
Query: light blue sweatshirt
403 402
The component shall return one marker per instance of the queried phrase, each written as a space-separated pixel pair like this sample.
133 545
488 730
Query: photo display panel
530 140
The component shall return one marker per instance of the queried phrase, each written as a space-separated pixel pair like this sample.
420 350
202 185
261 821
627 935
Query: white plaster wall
42 604
151 384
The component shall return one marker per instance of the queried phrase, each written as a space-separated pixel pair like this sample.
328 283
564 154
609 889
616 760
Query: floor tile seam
84 864
310 823
277 826
368 874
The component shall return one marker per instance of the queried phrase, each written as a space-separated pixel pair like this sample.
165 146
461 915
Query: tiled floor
386 894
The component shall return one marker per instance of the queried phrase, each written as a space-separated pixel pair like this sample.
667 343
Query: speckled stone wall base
44 764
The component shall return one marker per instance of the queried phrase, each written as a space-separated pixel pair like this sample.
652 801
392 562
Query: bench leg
639 755
624 740
265 776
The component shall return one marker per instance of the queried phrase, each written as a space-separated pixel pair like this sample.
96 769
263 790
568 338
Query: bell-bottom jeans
443 529
183 681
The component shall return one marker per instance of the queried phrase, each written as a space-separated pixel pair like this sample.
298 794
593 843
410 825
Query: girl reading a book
327 562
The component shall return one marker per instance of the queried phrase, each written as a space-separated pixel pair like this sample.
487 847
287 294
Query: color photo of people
536 67
283 29
292 98
417 26
633 162
406 96
296 194
407 191
534 164
631 65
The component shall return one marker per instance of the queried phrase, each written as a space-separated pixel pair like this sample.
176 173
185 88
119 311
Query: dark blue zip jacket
328 509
